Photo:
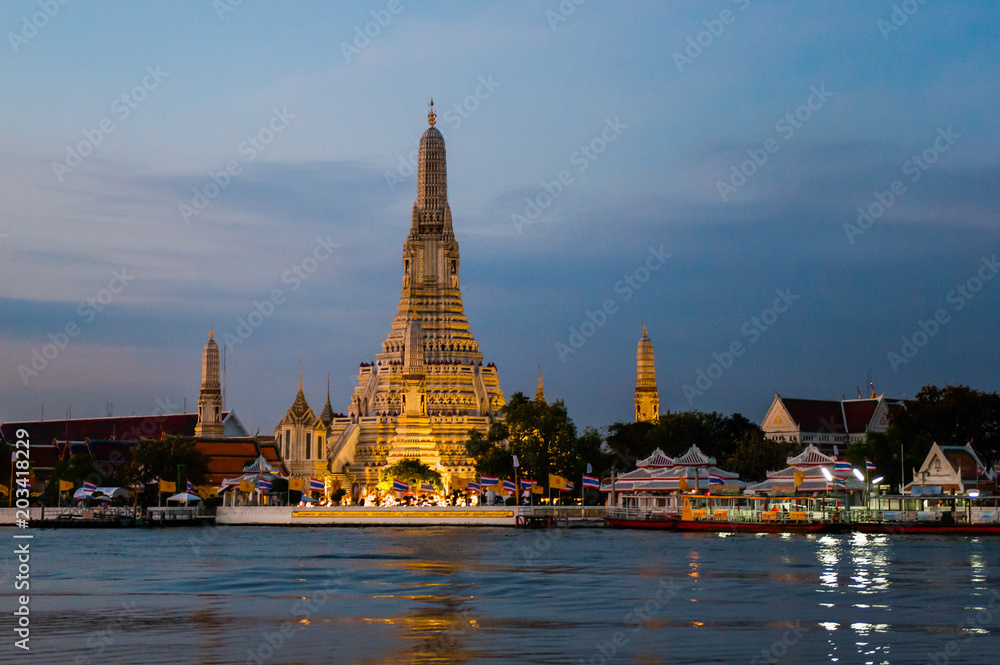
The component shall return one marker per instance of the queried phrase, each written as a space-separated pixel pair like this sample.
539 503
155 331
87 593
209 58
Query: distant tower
647 400
540 393
210 398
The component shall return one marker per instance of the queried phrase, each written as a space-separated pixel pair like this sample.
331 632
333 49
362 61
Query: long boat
739 514
953 515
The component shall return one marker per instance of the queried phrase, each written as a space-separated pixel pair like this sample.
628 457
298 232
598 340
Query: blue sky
639 106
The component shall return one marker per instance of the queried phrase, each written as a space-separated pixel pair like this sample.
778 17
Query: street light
877 480
826 474
857 474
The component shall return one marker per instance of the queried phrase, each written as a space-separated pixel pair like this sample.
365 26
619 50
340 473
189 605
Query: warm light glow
826 474
878 480
857 474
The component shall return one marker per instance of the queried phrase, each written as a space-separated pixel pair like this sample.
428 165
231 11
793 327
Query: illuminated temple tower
647 400
428 386
210 396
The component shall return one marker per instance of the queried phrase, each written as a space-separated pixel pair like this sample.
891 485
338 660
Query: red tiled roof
226 458
859 414
815 415
126 428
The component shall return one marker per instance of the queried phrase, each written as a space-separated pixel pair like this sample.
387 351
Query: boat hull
917 528
719 526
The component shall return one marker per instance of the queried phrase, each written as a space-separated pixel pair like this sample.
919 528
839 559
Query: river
483 595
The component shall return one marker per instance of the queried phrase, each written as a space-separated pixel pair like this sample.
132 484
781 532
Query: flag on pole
589 468
980 470
474 486
65 485
682 484
509 486
516 463
869 466
799 478
527 483
316 485
427 487
88 488
190 488
569 487
592 482
996 468
557 482
246 486
165 486
716 479
399 486
489 481
841 468
264 483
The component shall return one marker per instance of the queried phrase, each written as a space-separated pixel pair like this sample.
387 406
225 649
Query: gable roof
815 415
124 428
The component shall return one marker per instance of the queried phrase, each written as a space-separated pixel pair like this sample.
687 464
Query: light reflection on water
390 595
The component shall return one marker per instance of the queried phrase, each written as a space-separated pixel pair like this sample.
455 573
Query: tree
154 459
543 437
410 471
737 444
949 416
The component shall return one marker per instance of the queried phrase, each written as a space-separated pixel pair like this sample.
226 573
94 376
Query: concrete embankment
366 516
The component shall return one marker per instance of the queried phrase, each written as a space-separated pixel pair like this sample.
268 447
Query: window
319 447
308 445
287 435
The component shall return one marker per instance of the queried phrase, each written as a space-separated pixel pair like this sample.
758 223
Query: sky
794 198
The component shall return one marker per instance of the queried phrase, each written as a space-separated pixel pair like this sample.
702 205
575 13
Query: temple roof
811 456
127 428
656 460
694 457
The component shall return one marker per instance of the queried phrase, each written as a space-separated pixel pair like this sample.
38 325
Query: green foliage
736 443
544 439
949 416
410 471
154 459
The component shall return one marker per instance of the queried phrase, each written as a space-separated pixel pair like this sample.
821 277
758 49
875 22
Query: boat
930 514
740 514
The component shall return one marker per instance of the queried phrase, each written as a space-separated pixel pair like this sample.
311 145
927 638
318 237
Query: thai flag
316 485
509 486
427 487
527 483
263 483
190 488
474 487
980 470
88 488
569 487
841 468
869 466
837 483
488 481
591 482
996 468
716 479
400 486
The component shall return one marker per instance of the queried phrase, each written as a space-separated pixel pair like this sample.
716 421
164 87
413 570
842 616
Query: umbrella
185 498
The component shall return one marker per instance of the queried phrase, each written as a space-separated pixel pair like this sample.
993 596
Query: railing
564 512
82 512
174 513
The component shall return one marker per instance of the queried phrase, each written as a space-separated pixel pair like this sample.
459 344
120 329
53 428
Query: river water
483 595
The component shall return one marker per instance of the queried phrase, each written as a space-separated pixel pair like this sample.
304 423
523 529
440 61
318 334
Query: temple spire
647 399
431 115
540 392
210 396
